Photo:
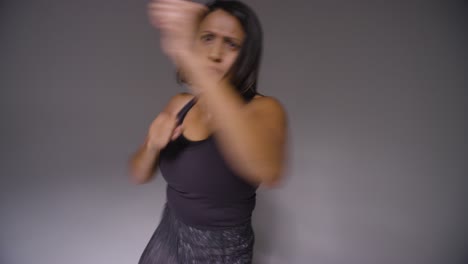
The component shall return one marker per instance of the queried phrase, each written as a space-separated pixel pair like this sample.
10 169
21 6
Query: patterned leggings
174 242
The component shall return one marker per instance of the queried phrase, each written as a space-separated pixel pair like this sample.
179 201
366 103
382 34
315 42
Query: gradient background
376 94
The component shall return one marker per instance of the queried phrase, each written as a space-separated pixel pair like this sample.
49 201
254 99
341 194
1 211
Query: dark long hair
245 69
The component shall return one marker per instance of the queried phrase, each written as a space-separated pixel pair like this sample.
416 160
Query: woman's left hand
177 21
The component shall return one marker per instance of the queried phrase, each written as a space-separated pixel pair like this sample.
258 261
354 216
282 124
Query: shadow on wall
274 230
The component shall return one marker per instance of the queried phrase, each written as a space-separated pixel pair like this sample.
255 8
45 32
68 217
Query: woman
216 144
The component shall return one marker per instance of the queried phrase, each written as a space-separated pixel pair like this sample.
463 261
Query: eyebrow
224 37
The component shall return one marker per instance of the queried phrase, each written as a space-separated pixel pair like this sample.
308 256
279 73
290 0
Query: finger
165 129
168 10
158 121
163 7
166 15
177 132
184 3
166 6
162 13
179 7
172 122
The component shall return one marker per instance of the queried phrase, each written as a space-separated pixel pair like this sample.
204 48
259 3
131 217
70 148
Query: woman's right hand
163 129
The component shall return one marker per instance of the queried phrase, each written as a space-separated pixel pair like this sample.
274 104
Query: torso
202 189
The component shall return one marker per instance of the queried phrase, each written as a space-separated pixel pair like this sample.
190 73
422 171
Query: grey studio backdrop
376 94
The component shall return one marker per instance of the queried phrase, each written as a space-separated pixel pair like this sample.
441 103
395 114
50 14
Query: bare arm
143 163
252 136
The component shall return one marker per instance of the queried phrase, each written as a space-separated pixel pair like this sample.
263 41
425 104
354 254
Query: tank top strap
183 112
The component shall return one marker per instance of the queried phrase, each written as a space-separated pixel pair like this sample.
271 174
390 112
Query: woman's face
218 41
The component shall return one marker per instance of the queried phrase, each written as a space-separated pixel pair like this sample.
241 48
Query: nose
216 53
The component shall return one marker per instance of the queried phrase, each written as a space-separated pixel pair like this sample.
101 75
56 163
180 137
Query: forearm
241 140
143 164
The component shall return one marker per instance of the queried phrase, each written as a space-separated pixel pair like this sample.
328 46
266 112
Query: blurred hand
163 129
177 21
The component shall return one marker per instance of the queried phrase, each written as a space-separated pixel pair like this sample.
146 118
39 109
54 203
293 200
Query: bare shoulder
177 102
267 106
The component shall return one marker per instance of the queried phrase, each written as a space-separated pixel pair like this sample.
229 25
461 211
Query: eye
207 37
232 45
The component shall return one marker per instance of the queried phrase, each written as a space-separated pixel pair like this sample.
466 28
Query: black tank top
202 190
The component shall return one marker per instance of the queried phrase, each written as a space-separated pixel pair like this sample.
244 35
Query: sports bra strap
183 112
